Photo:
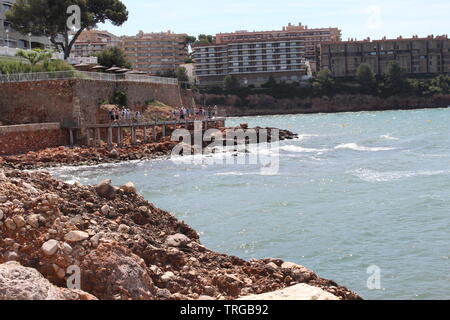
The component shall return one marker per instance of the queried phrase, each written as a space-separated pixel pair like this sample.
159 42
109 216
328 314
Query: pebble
166 277
9 223
33 220
19 221
1 214
50 247
75 236
66 248
105 209
3 198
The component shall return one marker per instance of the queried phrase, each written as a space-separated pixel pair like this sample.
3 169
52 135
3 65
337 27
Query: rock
106 190
112 270
75 236
166 277
50 247
123 228
19 221
3 198
33 220
114 154
272 265
66 248
205 298
20 283
1 214
128 188
105 209
177 240
297 292
163 293
9 223
11 256
60 272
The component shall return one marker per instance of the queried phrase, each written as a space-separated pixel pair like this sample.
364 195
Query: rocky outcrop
78 156
21 283
123 246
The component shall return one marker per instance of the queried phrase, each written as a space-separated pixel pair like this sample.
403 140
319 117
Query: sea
360 198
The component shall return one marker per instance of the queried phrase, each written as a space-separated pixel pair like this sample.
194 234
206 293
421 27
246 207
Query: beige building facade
155 53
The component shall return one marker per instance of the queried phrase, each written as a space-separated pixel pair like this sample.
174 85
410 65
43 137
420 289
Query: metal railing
73 74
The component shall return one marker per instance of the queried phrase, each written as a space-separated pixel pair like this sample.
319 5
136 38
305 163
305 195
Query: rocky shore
125 248
83 156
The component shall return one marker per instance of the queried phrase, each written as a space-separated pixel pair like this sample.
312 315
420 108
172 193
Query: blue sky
356 19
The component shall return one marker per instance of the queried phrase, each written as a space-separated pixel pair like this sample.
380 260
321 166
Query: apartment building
253 57
13 39
91 42
416 55
155 53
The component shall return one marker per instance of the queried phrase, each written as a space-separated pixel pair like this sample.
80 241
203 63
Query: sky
356 19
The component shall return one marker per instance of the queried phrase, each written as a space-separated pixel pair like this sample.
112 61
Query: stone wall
74 101
31 137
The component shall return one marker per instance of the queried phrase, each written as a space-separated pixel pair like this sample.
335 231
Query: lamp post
29 39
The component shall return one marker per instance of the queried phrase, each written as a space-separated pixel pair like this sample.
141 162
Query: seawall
266 105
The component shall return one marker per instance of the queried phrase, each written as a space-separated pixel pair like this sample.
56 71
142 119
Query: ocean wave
234 173
388 137
292 148
356 147
376 176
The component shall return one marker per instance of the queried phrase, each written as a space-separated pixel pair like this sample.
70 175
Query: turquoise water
355 190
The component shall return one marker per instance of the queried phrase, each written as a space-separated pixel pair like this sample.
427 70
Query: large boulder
297 292
21 283
113 272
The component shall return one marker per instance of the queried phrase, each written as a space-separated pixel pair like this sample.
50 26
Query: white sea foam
292 148
388 137
235 173
376 176
356 147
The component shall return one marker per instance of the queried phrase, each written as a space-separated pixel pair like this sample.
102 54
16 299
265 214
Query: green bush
120 98
13 66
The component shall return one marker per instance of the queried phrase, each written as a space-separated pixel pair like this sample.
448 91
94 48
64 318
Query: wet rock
75 236
50 247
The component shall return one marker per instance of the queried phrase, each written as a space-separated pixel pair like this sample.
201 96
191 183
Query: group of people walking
117 114
195 113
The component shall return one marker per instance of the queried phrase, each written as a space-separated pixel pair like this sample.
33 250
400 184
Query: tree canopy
366 78
113 56
50 18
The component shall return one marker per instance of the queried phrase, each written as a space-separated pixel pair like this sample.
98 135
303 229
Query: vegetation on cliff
395 82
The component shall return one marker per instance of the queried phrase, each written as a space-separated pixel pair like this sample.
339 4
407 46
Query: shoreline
49 226
86 156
